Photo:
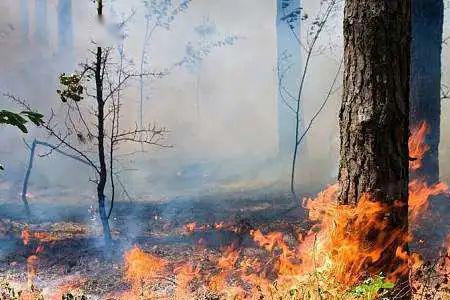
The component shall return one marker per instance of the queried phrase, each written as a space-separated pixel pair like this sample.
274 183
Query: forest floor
73 257
73 254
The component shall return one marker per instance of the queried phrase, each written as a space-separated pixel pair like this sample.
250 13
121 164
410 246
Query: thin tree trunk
24 22
287 43
30 166
26 180
427 18
100 8
101 148
197 104
41 23
65 28
374 116
299 122
141 70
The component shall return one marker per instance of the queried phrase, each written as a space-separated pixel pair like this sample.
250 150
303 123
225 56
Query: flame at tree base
341 256
346 245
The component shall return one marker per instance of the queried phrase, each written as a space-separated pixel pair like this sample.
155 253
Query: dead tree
374 116
31 158
90 129
53 148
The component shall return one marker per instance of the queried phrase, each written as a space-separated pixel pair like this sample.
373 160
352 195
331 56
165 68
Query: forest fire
417 145
33 259
192 227
141 270
221 217
335 255
342 249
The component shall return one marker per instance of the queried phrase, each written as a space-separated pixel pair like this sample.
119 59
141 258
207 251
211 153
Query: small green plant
20 119
371 288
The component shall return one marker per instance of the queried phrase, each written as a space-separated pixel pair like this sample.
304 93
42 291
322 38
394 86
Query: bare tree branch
322 106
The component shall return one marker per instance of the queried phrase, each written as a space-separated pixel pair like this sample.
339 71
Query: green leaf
34 117
371 287
72 89
13 119
388 285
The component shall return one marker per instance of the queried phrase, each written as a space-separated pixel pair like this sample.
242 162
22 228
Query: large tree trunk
101 148
374 117
427 18
65 31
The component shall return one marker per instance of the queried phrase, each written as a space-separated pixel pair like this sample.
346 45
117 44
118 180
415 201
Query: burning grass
331 261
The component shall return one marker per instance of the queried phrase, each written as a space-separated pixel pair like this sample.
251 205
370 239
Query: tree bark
101 148
427 18
374 116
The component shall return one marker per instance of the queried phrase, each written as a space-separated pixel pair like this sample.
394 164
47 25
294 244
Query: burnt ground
74 251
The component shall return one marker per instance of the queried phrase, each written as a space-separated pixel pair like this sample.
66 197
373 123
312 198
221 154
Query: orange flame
73 286
190 227
142 266
417 146
346 244
142 269
33 260
32 266
419 195
25 235
184 276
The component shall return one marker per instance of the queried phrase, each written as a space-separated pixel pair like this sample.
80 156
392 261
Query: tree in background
196 53
374 116
20 119
65 28
24 21
41 23
427 18
159 14
289 48
291 89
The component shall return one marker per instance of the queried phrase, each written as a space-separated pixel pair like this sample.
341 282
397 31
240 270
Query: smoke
222 117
